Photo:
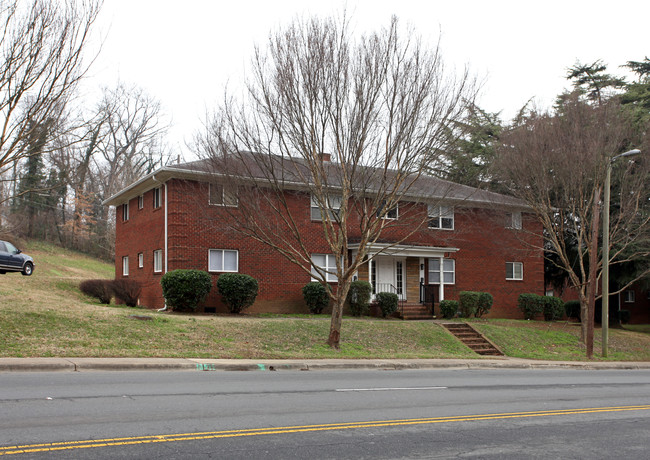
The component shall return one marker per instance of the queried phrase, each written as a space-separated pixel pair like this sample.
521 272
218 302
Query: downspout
164 184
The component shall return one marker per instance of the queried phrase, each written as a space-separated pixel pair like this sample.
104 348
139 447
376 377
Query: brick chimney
325 157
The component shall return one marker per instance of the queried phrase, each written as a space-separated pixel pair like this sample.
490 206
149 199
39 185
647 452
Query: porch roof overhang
403 250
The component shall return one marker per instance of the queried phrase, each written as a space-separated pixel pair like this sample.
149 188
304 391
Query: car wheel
28 269
2 272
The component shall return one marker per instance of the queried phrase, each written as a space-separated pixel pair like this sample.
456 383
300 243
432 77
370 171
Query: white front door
389 275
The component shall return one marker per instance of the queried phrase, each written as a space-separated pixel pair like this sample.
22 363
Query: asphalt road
327 414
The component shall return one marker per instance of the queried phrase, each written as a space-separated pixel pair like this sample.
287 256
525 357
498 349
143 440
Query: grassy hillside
46 315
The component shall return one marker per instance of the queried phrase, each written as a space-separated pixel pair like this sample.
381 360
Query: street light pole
604 321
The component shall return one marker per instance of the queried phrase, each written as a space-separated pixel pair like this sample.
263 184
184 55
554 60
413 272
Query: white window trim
157 255
513 271
629 297
222 270
140 201
223 197
329 259
125 212
157 197
125 266
439 215
140 260
516 221
333 209
442 271
385 216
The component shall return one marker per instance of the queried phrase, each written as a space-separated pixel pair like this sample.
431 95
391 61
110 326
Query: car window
2 247
11 249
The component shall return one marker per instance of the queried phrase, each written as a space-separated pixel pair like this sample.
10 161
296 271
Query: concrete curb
183 364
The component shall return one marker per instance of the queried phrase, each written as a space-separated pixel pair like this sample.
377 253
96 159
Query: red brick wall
194 227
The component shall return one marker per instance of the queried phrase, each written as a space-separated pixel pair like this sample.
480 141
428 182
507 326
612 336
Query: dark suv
12 260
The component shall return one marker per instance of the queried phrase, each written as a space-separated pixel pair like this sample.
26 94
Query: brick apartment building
179 217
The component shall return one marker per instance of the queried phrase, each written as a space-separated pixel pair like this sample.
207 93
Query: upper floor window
629 297
332 205
448 271
157 195
514 220
514 271
125 211
441 217
391 213
222 196
140 201
223 260
326 262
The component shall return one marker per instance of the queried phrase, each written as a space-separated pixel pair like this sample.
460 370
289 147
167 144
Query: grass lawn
45 315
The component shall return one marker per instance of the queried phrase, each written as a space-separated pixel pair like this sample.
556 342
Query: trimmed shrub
238 290
468 303
184 290
485 301
316 297
448 308
530 304
387 302
553 308
572 309
127 290
359 297
101 290
624 316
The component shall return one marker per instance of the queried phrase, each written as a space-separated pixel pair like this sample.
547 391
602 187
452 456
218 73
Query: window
140 260
392 213
549 293
514 220
325 262
514 271
223 260
141 202
334 206
125 265
441 217
125 212
221 196
157 261
156 197
448 271
628 296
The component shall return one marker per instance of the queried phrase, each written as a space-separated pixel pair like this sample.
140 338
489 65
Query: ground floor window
514 271
448 271
125 266
157 261
223 260
326 262
140 260
628 296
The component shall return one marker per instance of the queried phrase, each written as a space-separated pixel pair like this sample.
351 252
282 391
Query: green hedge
485 301
316 296
474 303
238 291
531 305
448 308
359 297
388 302
553 308
572 309
185 289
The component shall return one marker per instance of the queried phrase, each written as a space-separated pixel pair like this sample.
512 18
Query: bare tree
41 62
381 106
556 162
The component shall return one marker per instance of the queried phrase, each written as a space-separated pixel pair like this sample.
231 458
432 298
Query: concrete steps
473 339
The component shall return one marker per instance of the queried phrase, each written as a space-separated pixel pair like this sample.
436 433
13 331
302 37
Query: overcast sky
183 53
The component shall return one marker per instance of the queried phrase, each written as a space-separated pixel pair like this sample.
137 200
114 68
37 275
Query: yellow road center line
69 445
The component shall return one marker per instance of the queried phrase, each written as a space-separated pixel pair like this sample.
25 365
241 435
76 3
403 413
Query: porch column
441 286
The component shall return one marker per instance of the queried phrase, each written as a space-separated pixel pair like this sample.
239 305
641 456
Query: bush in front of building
359 297
101 290
572 309
530 305
448 308
239 291
468 303
127 290
316 296
485 301
553 308
184 290
387 302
